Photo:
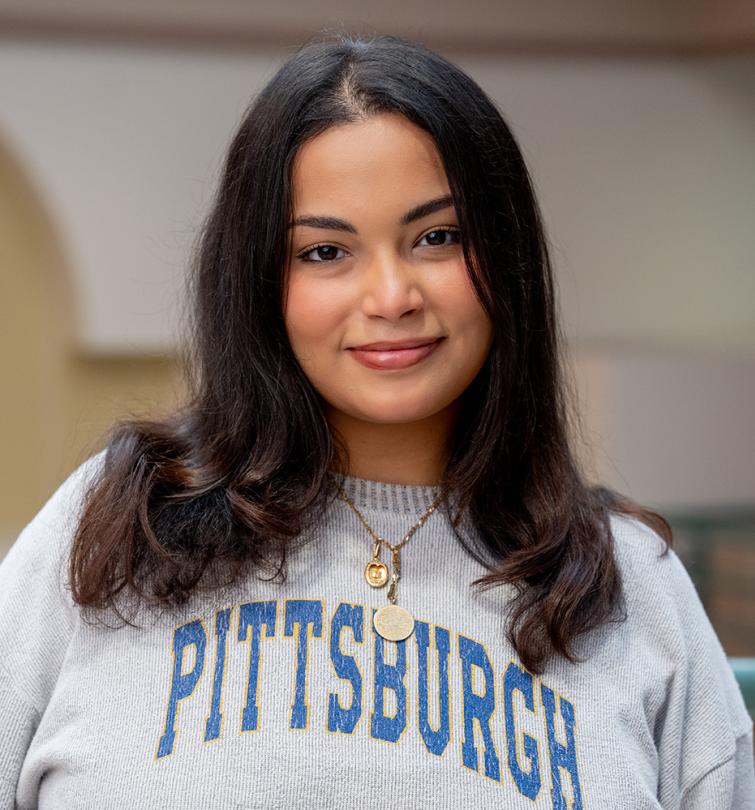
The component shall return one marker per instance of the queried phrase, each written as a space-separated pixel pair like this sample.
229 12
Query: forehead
374 161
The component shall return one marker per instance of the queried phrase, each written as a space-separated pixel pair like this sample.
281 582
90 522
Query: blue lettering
303 618
528 782
477 707
561 756
254 615
388 676
222 623
340 719
435 740
182 683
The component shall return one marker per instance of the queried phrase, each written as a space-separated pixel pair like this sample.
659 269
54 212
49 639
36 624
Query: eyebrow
336 224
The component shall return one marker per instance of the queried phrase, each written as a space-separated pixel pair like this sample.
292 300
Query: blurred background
637 120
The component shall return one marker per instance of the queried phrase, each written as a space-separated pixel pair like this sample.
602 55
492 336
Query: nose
391 288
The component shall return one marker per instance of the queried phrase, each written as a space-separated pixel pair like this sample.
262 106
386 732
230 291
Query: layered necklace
392 622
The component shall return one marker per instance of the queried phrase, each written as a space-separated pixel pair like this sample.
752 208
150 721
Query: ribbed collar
405 499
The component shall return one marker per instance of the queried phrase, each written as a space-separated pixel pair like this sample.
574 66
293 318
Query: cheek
310 314
313 316
458 299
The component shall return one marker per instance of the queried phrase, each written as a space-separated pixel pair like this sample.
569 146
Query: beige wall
56 403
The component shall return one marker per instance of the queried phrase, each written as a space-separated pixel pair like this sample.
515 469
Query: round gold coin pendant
376 573
393 623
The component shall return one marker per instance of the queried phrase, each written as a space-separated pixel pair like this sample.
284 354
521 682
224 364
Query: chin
397 415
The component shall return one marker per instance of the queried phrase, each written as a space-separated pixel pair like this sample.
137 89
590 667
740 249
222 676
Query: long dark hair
230 480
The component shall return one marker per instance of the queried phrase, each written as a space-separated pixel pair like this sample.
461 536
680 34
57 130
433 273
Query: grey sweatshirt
265 695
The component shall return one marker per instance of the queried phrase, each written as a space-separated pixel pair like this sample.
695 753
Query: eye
455 232
328 249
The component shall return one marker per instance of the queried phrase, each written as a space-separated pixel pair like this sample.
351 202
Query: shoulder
46 537
664 605
37 615
656 582
652 569
67 499
637 544
652 574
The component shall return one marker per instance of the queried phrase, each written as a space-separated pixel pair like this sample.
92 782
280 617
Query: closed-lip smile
395 355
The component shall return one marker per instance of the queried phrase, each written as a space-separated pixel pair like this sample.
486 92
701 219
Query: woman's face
376 277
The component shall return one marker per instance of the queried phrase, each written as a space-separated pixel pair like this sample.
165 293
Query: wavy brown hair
228 482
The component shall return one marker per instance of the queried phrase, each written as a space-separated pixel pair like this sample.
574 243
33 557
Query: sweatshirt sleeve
20 721
36 620
707 739
729 786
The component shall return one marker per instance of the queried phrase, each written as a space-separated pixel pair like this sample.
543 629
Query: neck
412 453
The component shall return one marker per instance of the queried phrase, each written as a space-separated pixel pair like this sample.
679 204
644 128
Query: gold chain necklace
392 622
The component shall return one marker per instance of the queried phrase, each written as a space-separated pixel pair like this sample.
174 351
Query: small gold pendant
376 573
393 623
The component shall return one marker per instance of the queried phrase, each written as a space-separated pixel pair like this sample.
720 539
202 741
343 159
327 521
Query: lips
394 358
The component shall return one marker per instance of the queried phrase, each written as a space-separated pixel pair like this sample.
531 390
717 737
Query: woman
383 562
